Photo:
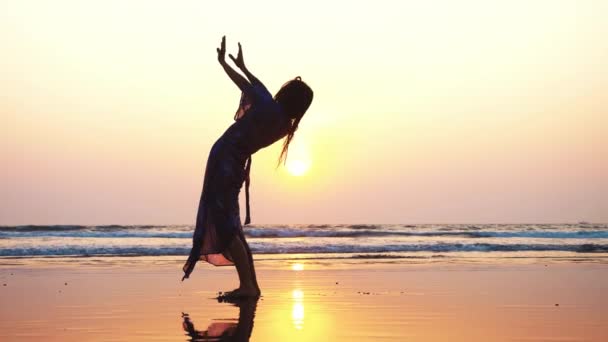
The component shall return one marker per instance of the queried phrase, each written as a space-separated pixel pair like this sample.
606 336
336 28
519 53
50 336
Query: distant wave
36 228
446 227
295 249
98 234
378 239
184 232
283 233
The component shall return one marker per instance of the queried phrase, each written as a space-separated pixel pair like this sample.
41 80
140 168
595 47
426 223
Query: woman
260 121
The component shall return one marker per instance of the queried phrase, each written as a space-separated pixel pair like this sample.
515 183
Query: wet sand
135 300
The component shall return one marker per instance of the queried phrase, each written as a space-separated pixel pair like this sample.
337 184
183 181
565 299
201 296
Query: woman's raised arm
237 78
240 63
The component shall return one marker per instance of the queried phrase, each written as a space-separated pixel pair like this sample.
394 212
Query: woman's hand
221 51
237 78
238 61
243 83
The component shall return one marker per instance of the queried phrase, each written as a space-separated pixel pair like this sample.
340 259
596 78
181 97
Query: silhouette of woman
260 121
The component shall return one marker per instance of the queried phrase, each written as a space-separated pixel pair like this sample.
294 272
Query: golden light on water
301 316
297 294
297 315
297 267
297 311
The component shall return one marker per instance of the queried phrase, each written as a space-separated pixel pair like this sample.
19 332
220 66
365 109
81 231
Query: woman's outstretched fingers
221 51
238 61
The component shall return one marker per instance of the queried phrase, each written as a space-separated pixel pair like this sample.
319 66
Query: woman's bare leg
239 251
252 268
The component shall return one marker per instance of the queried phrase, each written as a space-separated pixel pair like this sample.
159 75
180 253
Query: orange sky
435 111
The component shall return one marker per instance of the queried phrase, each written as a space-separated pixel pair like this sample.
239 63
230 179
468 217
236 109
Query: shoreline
334 260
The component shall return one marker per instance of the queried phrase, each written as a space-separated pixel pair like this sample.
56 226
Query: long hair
295 97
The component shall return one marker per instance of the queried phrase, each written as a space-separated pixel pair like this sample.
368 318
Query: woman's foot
240 293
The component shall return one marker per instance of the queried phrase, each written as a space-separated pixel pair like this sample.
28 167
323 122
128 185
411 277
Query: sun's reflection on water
297 294
297 311
297 267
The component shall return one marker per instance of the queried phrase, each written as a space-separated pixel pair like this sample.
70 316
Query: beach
382 299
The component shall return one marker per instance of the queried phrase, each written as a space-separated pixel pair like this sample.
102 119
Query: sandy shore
134 300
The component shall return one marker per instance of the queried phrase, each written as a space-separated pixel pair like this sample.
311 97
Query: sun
299 157
297 167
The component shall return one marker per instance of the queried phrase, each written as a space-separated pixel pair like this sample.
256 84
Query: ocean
325 241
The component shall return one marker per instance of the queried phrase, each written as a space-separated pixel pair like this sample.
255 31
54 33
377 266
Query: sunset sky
424 111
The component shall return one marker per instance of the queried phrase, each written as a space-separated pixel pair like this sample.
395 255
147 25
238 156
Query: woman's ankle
248 288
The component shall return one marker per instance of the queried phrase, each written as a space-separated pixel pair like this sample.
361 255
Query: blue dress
259 122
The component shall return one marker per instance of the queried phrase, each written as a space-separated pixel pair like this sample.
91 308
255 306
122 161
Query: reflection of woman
261 120
226 331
